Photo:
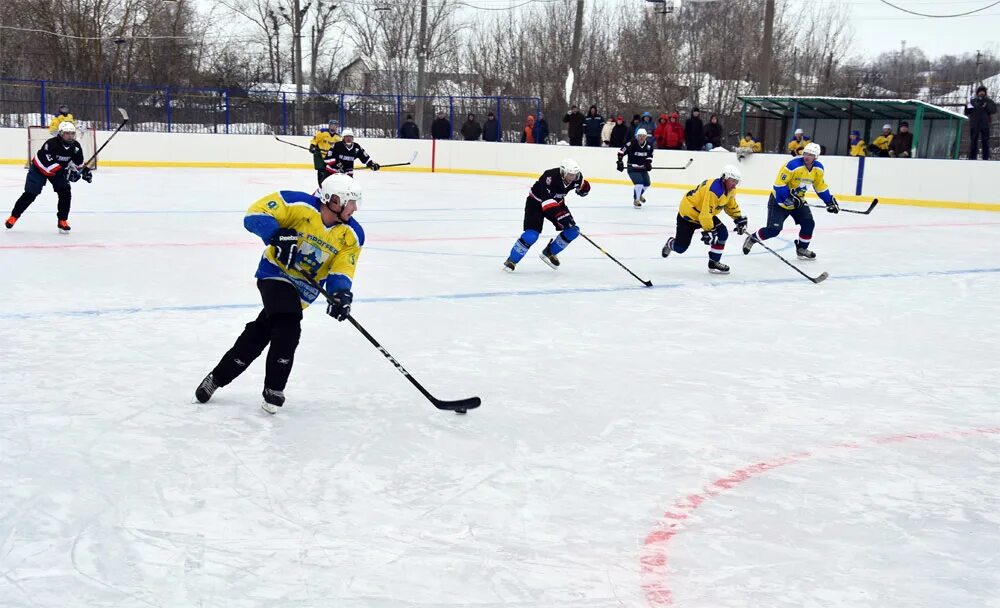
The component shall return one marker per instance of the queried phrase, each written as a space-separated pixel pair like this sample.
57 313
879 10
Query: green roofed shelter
829 121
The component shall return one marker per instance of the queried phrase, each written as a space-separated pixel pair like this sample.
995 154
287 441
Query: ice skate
750 242
272 400
63 226
206 389
10 222
717 267
509 265
549 258
669 247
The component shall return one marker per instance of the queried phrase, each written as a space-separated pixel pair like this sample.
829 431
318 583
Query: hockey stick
865 212
818 279
690 160
601 249
292 144
409 162
460 406
110 137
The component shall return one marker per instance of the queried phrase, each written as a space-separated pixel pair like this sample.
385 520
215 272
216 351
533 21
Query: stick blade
647 283
461 406
874 202
820 278
124 114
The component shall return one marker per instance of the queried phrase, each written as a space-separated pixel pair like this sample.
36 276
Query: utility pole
295 20
764 66
421 65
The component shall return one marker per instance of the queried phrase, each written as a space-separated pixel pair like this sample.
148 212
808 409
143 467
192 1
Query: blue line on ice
492 294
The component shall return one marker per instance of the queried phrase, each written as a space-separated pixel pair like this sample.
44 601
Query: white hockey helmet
799 132
812 148
343 187
642 133
732 172
66 127
886 127
347 133
569 167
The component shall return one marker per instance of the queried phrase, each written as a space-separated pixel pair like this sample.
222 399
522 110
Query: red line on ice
655 548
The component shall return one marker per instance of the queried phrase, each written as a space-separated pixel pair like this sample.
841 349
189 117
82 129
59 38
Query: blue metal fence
198 110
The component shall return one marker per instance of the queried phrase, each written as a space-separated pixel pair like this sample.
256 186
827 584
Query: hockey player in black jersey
59 161
341 157
640 161
547 200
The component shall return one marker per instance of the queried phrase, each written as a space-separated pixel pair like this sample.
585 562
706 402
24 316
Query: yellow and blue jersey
706 200
324 140
858 148
796 145
882 142
795 178
753 145
58 119
325 253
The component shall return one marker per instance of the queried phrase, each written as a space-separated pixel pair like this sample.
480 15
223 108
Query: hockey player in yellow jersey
880 147
788 199
61 117
798 143
857 144
320 145
700 208
307 236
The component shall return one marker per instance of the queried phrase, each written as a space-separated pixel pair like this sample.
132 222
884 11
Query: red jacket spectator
670 134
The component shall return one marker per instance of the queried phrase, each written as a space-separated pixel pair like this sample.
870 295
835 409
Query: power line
906 10
75 37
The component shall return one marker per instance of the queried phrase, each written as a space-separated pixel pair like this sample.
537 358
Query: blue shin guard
564 239
527 239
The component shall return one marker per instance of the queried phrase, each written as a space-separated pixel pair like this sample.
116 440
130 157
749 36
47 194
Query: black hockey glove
73 175
583 189
286 245
620 165
561 217
741 225
338 305
374 166
648 166
87 175
794 201
833 206
314 149
709 237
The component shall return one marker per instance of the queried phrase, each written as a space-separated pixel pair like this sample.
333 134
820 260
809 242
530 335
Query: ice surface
609 409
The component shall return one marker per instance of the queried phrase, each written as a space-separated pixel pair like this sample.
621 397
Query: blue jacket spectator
646 123
592 126
491 128
541 129
409 129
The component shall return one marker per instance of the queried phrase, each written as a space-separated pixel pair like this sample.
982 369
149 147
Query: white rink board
713 442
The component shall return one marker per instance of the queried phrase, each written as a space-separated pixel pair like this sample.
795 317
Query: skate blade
716 271
806 259
548 262
61 231
507 269
267 407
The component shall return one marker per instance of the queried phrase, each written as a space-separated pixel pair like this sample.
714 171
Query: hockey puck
461 411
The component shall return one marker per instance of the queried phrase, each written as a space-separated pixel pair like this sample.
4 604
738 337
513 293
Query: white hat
884 127
799 131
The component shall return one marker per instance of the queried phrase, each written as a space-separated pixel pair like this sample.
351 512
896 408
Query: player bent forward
788 199
59 161
307 237
547 200
700 208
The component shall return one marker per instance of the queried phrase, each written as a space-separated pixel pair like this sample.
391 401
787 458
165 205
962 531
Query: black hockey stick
865 212
601 249
690 160
292 144
110 137
459 407
818 279
409 162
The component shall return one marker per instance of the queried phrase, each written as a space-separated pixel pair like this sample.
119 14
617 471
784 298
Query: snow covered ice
750 440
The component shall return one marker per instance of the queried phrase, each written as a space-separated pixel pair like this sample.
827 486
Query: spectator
902 143
646 123
471 130
441 127
980 111
620 133
528 131
491 129
660 132
409 130
634 125
574 130
799 141
592 127
751 144
694 131
880 147
606 130
857 144
675 132
713 132
541 129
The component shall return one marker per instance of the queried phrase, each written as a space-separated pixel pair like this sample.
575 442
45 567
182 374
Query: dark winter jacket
619 135
694 133
575 122
441 128
980 111
491 130
713 133
901 143
541 130
593 123
409 130
471 130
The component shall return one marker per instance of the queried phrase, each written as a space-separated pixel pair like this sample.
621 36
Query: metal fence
25 103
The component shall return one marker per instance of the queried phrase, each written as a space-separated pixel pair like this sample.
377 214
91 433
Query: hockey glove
561 217
583 189
648 166
792 202
709 237
338 305
620 165
314 149
286 245
374 166
73 175
833 206
87 175
741 225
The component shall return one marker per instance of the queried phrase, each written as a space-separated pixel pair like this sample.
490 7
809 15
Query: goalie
59 162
